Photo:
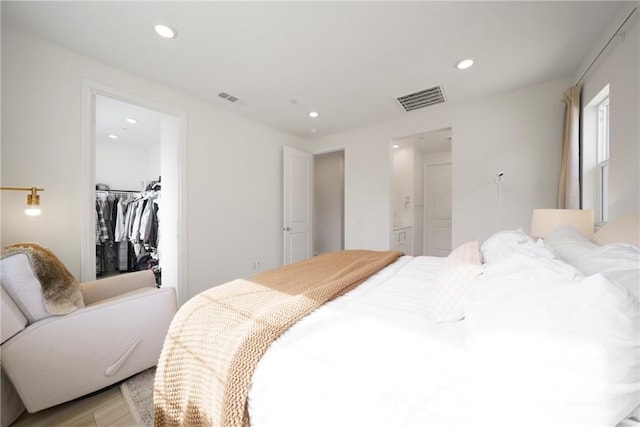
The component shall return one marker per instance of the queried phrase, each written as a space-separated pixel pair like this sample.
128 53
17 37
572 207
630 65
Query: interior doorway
328 218
413 185
132 160
128 176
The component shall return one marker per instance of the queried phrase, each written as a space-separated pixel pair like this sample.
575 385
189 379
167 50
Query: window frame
602 147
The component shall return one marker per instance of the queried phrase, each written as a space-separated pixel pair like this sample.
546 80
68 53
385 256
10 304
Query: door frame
88 172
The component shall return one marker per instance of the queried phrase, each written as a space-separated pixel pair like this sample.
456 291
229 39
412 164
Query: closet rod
605 46
118 191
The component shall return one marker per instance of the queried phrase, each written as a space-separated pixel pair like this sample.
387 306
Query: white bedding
384 362
374 358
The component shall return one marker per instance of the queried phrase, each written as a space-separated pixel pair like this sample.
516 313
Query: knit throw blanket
217 338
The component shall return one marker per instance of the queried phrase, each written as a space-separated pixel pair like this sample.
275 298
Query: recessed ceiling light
313 114
164 31
396 146
112 136
314 130
464 64
132 121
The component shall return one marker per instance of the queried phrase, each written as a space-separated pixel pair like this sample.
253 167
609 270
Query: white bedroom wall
518 132
125 167
403 185
418 203
619 67
234 166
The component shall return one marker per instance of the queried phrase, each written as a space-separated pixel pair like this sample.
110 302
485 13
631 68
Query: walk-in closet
128 188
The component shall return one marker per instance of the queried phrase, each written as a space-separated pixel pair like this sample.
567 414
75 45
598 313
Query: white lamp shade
544 221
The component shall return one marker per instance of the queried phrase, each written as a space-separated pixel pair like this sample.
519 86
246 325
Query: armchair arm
101 289
63 357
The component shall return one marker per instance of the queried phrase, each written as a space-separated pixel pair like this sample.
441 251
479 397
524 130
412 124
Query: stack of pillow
552 328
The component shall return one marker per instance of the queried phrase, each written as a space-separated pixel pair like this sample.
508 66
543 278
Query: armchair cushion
12 321
48 283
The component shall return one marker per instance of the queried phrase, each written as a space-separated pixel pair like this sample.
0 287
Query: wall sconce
33 199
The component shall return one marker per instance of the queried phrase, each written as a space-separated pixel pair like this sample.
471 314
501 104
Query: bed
508 332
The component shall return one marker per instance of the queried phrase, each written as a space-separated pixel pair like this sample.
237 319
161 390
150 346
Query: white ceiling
346 60
111 119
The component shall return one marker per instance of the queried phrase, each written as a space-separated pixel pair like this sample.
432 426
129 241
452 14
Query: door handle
286 229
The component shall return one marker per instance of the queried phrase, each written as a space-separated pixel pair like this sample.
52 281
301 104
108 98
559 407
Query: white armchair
54 359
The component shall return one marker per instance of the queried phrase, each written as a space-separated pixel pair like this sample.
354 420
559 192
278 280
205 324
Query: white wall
234 174
169 247
403 186
518 132
619 67
418 203
436 158
328 211
125 167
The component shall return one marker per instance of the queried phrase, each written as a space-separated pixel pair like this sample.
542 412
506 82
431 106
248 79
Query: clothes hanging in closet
127 231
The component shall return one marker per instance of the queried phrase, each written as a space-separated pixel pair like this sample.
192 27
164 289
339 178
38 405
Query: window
602 143
594 155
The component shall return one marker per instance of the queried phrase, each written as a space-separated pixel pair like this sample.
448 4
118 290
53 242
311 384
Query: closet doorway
128 188
133 151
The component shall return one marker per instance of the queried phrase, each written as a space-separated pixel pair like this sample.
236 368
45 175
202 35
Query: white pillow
619 262
567 243
461 267
563 352
630 279
603 259
21 283
492 247
504 244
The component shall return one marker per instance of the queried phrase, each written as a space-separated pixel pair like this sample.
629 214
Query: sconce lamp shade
33 204
544 221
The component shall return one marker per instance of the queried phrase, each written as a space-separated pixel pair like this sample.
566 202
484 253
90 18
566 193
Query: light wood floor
104 409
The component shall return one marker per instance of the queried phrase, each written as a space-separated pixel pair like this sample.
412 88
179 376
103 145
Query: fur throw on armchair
60 290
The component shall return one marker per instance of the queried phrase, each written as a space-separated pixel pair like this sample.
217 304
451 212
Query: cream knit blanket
217 338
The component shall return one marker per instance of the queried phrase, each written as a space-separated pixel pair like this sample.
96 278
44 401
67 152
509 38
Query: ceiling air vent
424 98
228 97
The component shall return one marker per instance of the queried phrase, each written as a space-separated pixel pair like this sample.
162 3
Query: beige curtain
569 186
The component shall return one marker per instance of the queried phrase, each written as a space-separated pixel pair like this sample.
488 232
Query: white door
437 209
298 205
